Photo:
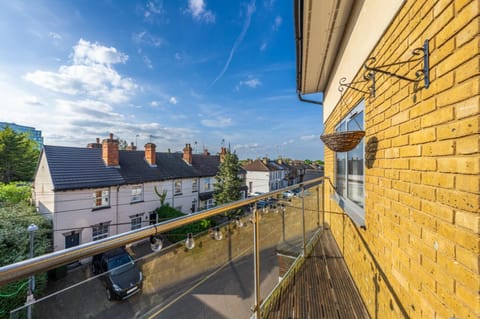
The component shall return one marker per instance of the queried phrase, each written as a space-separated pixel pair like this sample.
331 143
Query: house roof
76 168
260 166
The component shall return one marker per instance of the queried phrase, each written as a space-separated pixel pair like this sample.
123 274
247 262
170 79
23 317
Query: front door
72 240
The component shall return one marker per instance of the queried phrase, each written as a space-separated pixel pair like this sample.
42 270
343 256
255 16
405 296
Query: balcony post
303 223
256 265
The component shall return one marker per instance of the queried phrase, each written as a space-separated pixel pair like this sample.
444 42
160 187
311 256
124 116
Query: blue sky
171 72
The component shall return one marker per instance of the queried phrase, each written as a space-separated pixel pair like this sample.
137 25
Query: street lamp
31 283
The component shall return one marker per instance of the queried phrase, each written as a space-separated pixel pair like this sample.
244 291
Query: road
225 293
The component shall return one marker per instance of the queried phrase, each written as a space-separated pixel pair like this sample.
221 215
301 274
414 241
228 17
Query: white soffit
374 18
323 26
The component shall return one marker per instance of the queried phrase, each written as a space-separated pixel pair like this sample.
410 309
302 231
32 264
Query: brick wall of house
419 254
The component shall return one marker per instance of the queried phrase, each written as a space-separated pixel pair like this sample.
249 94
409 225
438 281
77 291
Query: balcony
278 261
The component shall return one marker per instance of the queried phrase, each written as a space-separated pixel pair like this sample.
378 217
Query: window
207 184
210 203
100 198
194 186
136 221
100 231
350 175
137 194
178 187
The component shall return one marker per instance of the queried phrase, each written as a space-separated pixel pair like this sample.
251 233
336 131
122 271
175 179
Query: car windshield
116 261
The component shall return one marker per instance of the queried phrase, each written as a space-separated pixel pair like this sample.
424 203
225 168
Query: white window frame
100 231
351 208
136 221
207 184
101 198
137 194
177 184
210 203
194 186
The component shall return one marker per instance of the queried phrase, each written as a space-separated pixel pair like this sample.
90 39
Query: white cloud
55 36
219 121
178 56
263 46
197 9
152 8
277 23
308 137
147 38
173 100
238 41
93 53
154 103
252 83
91 74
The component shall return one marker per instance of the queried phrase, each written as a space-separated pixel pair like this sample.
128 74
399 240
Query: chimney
110 151
223 152
131 147
265 160
150 155
95 145
206 152
280 161
187 154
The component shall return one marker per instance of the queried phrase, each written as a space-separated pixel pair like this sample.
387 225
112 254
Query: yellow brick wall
418 256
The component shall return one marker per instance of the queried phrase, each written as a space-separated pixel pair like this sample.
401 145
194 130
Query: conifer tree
228 184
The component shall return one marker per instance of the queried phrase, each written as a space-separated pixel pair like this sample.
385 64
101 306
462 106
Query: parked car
122 277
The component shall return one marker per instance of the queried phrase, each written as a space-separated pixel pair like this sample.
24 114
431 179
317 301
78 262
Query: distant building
34 134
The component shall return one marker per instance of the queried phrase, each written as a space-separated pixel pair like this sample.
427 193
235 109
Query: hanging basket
342 141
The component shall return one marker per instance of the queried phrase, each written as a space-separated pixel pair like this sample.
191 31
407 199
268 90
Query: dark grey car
122 277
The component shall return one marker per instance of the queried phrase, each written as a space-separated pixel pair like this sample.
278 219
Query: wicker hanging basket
342 141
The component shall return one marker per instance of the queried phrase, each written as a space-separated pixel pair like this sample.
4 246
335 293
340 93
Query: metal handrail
59 258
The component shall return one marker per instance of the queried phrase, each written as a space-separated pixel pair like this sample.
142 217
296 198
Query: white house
95 192
264 176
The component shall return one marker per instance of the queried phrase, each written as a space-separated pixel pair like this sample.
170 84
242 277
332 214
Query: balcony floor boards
321 288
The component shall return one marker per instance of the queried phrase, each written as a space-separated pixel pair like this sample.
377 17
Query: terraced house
99 191
406 211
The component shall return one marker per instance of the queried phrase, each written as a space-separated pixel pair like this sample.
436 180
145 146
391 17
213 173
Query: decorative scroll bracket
422 74
367 76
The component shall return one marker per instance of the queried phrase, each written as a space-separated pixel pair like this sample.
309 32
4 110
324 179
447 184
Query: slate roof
76 168
260 166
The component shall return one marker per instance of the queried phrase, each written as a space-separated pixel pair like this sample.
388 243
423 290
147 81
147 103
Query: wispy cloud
238 41
263 46
219 121
197 8
55 36
251 83
146 38
147 62
277 23
91 74
308 137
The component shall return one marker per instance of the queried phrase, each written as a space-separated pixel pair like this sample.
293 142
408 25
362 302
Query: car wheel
109 294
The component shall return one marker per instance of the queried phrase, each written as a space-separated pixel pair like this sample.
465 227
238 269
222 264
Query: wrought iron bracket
418 54
367 76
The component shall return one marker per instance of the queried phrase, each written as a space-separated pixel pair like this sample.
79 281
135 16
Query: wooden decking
320 288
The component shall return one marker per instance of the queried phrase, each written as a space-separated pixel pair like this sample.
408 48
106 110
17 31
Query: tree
228 184
15 216
18 156
307 161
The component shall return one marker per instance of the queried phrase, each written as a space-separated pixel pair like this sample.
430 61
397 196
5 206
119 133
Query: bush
15 193
178 234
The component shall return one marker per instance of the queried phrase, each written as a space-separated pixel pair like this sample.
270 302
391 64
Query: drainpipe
116 211
173 193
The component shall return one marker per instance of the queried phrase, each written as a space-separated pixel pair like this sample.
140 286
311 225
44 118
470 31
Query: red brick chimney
187 154
95 145
223 152
150 155
110 151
